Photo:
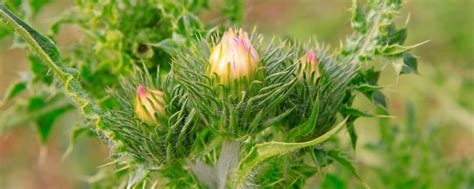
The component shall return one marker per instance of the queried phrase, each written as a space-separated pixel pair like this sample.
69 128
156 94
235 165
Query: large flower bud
149 104
309 65
234 58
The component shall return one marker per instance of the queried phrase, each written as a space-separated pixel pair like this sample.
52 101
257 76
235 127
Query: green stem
46 50
368 37
217 177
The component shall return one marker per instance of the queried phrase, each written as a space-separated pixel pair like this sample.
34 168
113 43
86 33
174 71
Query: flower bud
234 57
309 65
149 102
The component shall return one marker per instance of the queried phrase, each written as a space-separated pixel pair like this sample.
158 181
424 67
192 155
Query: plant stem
216 177
228 160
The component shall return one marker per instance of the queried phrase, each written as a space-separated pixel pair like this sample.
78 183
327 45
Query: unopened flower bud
234 57
309 65
149 104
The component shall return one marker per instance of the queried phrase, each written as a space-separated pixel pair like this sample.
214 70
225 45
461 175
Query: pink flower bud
234 57
309 65
149 102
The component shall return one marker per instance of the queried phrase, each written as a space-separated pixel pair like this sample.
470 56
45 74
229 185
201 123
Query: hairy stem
228 160
46 50
367 38
216 177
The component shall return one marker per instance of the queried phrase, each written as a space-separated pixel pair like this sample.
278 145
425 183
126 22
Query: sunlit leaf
45 123
14 90
410 64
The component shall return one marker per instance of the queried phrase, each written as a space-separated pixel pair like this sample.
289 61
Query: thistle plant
225 108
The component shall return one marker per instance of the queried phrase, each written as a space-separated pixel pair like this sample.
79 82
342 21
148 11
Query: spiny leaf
14 90
43 46
264 151
367 88
397 36
410 64
352 133
354 112
37 107
379 99
45 123
308 126
344 161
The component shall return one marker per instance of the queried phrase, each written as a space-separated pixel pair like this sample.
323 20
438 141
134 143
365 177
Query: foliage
415 157
116 36
212 135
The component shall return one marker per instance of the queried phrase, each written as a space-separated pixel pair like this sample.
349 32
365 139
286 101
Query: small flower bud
149 102
234 57
309 65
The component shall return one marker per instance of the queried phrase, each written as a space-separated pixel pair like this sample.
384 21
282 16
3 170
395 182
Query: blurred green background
442 94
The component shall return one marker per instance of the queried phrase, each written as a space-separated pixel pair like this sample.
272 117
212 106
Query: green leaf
234 10
397 37
379 99
410 64
187 24
395 50
37 4
73 136
43 46
358 18
371 76
14 90
354 112
333 182
36 102
167 45
4 31
352 133
344 161
393 35
308 126
22 114
45 123
264 151
320 158
39 69
367 88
